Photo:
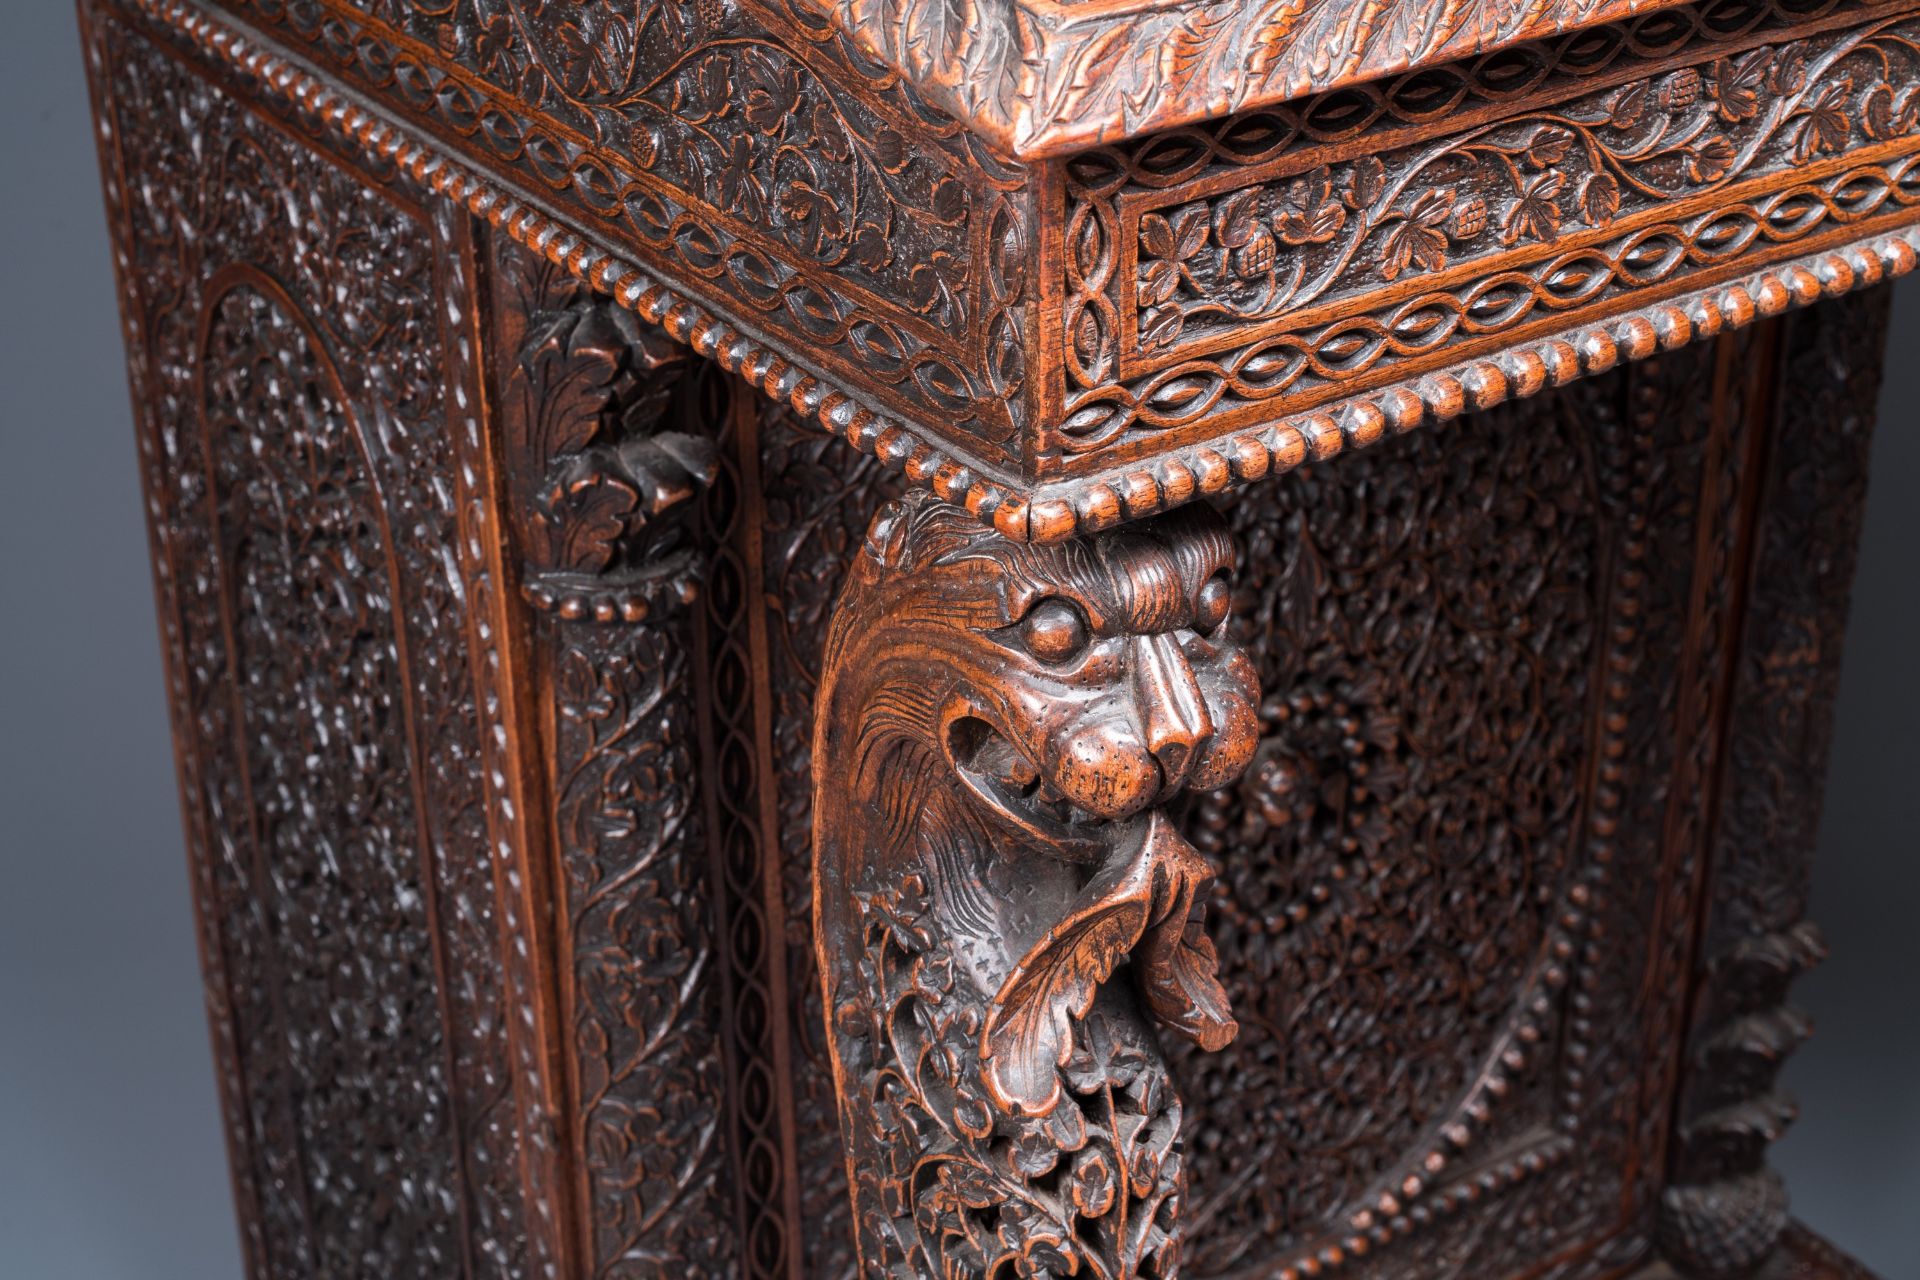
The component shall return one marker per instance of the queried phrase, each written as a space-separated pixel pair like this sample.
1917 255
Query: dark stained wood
636 835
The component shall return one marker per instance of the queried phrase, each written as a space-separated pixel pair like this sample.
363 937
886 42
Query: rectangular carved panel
1486 660
817 202
1265 265
306 478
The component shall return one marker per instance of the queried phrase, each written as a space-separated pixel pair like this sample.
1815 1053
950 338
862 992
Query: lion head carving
999 728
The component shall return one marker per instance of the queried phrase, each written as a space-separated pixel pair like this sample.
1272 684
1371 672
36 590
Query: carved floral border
762 171
1208 276
1133 486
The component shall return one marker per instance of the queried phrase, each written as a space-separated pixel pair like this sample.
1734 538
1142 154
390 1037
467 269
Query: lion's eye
1054 631
1210 606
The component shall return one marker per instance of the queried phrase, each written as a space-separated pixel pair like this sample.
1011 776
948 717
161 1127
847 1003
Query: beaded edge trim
1053 512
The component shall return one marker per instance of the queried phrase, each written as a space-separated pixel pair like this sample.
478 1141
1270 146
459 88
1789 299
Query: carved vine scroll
1000 730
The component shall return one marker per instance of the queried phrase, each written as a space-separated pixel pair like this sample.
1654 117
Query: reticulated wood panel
305 475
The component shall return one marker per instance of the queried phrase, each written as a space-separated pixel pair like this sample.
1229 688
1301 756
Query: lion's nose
1172 709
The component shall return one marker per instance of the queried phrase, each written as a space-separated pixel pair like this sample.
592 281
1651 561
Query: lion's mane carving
1000 727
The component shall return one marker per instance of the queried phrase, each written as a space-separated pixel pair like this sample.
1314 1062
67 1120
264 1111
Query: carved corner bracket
602 527
1000 729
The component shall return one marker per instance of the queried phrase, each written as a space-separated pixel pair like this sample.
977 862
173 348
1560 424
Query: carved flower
1469 219
1826 127
1417 240
1737 84
1311 215
1709 159
773 90
1681 90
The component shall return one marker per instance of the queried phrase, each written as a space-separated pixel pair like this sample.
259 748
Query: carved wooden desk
753 699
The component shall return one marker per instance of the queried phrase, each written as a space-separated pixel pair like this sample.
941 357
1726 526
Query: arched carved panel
304 494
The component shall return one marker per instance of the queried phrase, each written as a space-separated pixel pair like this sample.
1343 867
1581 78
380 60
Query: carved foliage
593 476
997 728
757 168
816 501
643 1007
1398 853
303 495
1049 80
1210 270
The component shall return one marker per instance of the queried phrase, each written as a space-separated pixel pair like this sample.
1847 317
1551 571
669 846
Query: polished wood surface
1289 745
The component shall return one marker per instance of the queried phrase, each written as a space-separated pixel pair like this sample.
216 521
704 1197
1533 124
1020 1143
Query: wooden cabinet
1005 640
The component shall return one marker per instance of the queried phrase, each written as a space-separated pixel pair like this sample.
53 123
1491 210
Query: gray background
111 1159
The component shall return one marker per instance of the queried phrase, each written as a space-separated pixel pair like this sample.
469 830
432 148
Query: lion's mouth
1014 788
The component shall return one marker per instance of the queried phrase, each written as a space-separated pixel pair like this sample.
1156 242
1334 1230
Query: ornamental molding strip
1793 146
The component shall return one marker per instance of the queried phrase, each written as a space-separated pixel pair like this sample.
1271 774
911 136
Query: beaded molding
1053 512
